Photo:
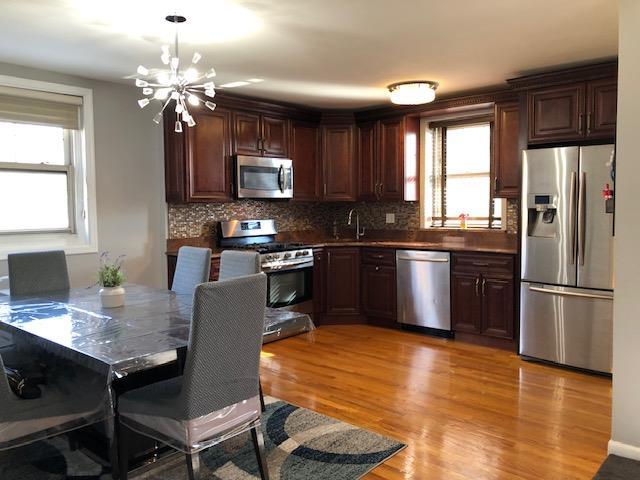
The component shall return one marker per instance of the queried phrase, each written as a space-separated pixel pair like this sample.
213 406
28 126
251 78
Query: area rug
618 468
301 444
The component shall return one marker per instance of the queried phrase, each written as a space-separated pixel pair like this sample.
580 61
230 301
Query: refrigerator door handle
572 216
570 294
582 219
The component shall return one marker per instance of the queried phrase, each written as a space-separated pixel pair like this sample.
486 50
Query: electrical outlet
390 218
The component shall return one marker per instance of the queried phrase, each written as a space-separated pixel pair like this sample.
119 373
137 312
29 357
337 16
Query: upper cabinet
198 160
304 150
259 135
506 150
338 163
387 159
602 97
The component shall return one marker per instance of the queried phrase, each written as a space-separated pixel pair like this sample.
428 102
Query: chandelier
185 86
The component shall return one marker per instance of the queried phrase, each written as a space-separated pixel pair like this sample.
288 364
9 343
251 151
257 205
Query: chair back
192 268
37 272
235 264
222 364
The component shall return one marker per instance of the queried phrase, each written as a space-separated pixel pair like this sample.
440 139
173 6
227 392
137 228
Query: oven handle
286 268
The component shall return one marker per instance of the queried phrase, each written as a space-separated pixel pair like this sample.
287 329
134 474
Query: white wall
129 181
626 323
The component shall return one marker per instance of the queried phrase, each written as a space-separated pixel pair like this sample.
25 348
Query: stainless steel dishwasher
423 290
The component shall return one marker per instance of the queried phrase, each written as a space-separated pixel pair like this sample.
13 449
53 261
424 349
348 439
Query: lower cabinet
342 285
379 286
482 298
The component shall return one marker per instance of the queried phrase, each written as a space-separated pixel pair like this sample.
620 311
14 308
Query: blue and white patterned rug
301 444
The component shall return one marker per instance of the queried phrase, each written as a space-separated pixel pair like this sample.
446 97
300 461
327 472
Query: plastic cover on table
71 396
194 435
280 323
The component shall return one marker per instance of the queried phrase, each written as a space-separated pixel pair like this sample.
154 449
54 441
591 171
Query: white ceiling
325 53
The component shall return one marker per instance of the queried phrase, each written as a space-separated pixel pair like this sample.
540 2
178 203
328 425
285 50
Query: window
457 176
47 188
36 178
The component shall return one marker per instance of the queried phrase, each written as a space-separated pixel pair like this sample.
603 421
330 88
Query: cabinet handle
495 184
484 281
377 268
588 123
325 189
580 126
480 264
477 284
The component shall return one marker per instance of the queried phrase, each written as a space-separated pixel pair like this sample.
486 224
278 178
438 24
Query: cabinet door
368 183
247 134
307 167
466 302
391 160
338 162
506 150
319 282
274 136
342 284
208 157
602 97
174 162
379 291
556 113
498 307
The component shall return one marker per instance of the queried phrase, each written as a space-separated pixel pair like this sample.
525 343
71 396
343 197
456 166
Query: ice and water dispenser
542 216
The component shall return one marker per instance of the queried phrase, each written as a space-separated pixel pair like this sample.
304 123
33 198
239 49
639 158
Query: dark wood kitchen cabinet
342 285
259 135
338 161
505 167
385 149
198 160
304 150
583 110
379 286
482 298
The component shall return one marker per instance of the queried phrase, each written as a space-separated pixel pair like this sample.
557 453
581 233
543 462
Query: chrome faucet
359 233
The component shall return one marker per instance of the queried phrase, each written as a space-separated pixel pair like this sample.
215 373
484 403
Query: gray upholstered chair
62 407
217 396
234 263
192 268
238 263
35 273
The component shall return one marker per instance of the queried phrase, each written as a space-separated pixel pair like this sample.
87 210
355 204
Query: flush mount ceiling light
184 85
414 92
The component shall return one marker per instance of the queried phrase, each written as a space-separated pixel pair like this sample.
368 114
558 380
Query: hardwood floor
465 411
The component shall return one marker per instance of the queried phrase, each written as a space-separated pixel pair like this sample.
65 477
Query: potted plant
111 278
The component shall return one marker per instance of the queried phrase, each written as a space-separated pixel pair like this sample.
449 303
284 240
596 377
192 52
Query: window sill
468 229
72 244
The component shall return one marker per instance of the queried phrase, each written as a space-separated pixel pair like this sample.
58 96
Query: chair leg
112 427
258 445
262 407
193 466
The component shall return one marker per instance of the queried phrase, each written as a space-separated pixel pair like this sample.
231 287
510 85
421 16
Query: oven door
258 177
286 288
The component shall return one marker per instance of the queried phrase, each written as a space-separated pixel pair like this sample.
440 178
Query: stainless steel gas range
289 266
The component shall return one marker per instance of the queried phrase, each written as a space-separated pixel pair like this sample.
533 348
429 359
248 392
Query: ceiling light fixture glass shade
415 92
179 85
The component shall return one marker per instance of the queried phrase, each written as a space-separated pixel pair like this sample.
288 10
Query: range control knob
305 253
287 255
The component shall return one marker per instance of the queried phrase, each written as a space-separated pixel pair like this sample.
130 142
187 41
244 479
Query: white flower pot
112 297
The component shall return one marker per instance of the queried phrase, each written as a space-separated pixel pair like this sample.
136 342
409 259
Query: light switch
390 218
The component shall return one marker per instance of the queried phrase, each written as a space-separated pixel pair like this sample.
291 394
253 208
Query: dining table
149 333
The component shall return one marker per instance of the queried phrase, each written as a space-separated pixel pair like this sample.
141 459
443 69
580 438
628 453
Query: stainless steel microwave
260 177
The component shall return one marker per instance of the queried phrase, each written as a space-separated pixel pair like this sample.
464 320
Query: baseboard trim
624 450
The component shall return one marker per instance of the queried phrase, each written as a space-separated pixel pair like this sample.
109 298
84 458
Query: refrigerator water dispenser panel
542 210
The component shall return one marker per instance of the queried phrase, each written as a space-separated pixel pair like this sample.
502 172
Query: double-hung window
457 176
47 195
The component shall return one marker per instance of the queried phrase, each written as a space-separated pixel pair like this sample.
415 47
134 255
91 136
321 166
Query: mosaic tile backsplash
193 220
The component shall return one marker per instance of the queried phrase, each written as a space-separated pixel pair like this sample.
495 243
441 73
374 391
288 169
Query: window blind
40 108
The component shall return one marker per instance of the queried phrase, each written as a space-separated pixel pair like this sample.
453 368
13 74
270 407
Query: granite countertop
445 245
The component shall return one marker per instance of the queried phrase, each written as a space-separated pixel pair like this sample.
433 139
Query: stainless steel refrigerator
566 299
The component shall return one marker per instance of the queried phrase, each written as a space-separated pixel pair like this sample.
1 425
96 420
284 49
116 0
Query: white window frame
82 237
